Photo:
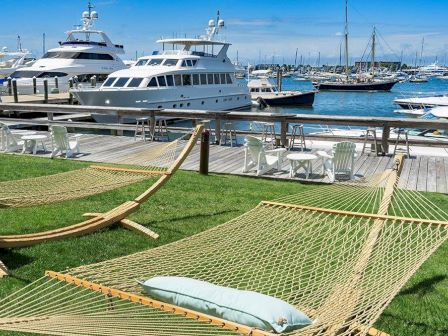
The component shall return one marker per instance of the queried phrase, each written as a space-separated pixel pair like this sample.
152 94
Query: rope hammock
161 162
88 181
340 254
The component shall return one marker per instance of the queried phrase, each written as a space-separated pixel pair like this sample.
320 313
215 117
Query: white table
32 141
301 160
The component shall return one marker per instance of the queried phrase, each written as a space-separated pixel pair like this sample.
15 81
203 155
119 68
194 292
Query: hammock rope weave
88 181
342 268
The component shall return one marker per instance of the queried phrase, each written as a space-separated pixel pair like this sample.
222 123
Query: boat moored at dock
195 74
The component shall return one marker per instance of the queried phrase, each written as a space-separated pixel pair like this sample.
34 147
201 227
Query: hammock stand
117 215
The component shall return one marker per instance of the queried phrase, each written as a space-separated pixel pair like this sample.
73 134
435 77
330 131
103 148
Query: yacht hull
161 99
356 87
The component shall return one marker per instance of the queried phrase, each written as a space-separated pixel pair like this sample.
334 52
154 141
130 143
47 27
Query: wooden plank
413 174
431 177
441 182
422 174
170 308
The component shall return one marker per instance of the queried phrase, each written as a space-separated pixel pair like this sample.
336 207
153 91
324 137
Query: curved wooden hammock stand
102 220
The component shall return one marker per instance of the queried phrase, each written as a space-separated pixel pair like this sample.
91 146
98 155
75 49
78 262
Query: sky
260 31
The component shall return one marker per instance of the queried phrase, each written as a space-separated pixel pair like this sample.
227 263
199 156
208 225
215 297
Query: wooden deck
422 173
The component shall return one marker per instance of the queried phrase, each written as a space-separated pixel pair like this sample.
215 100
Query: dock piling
45 91
34 85
70 95
56 82
9 86
14 90
93 81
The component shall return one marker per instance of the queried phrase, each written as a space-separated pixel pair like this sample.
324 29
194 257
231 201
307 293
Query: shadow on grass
429 329
424 287
14 260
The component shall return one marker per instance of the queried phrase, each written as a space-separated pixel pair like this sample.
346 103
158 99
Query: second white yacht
195 74
85 53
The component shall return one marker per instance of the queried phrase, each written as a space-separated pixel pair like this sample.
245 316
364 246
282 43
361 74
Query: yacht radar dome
211 23
221 23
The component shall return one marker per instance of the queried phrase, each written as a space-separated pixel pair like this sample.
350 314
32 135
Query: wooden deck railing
219 116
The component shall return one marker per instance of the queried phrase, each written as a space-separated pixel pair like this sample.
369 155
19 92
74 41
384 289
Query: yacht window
195 79
169 80
194 62
223 78
210 78
184 64
152 82
121 81
189 63
228 79
52 74
170 62
216 76
178 80
109 81
203 79
60 54
154 62
92 56
257 90
161 80
141 62
135 82
186 79
25 74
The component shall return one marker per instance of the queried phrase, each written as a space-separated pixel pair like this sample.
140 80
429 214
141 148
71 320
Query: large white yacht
195 73
86 52
11 61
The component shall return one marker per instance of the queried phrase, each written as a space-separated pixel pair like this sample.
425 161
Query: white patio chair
9 142
255 156
63 143
340 162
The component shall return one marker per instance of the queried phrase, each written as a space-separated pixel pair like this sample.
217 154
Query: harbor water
364 104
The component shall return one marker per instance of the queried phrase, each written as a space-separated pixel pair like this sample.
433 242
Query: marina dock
421 172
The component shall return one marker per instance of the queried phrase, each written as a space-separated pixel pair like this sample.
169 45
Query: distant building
378 64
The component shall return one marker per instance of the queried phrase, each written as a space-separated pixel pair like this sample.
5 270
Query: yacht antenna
19 43
373 53
90 7
346 39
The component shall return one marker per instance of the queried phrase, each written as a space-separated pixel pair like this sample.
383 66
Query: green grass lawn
188 204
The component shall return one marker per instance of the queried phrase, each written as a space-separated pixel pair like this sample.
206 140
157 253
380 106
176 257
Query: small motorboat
265 93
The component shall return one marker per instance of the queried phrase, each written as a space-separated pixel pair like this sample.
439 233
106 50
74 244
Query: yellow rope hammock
89 181
339 254
162 161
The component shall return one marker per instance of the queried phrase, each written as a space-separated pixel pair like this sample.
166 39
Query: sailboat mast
373 53
346 40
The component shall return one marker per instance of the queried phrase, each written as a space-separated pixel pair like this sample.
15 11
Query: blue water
367 104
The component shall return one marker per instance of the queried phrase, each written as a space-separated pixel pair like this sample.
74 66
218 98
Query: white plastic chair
9 143
341 161
255 156
63 143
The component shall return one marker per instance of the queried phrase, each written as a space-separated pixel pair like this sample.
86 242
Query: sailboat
347 84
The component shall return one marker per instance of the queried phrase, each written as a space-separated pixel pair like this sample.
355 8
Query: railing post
14 90
385 139
34 85
120 121
217 130
205 153
152 125
283 133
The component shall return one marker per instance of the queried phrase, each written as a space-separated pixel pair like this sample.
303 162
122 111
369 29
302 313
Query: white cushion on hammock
244 307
